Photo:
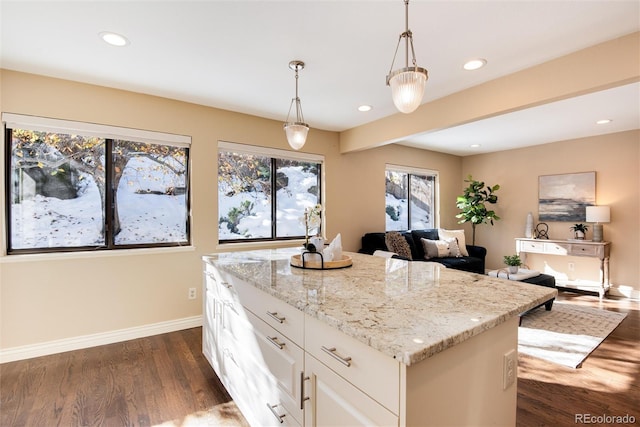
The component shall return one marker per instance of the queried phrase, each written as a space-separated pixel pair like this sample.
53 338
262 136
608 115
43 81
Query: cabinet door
210 323
333 401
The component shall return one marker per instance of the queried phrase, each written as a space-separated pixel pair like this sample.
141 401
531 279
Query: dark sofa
474 263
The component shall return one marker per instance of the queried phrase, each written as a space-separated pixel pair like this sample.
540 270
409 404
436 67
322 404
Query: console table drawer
584 250
532 247
555 249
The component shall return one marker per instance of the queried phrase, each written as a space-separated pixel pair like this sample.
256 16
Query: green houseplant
513 261
473 205
579 230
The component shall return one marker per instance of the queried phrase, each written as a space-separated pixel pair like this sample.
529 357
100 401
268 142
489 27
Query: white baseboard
85 341
625 291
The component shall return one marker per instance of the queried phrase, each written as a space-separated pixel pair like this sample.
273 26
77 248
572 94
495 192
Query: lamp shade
296 134
407 88
598 214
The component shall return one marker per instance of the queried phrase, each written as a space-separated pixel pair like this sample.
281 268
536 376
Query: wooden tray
296 261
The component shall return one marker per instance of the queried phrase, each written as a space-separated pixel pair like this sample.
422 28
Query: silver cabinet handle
274 341
346 361
274 315
302 398
275 414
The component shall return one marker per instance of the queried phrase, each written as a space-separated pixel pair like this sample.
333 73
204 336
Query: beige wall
616 160
52 297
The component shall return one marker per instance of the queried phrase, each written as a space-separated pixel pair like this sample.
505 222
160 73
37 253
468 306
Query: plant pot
578 235
513 269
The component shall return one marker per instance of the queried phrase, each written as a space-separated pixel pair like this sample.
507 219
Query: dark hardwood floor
159 380
165 380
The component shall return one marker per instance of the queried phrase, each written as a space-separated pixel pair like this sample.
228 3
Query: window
76 186
410 198
262 194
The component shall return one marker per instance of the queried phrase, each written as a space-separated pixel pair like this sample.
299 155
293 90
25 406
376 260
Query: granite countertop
406 310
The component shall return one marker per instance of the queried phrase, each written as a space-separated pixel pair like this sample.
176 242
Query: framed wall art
565 197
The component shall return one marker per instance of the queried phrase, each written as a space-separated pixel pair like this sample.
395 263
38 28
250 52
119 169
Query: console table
598 250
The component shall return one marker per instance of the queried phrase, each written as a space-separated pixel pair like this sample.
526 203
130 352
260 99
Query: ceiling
234 55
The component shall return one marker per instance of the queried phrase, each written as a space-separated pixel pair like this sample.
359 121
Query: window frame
110 134
274 154
418 172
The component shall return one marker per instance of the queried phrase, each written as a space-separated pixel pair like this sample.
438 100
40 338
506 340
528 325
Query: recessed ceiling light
474 64
114 39
365 108
475 146
603 121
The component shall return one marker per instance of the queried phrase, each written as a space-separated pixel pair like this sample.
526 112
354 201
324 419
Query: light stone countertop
406 310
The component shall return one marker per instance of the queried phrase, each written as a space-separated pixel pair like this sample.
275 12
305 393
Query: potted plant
579 230
513 261
472 205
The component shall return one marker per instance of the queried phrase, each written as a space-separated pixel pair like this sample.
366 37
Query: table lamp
598 215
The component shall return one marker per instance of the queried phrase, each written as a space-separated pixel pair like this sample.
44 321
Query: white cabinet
284 367
256 343
259 366
336 402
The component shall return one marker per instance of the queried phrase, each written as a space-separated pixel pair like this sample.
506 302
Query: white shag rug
567 334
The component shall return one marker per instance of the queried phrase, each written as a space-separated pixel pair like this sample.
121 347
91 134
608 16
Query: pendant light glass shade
408 83
297 130
407 88
296 134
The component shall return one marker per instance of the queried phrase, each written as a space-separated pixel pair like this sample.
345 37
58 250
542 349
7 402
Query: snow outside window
263 197
69 192
410 199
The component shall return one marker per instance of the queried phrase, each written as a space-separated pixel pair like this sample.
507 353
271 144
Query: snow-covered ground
48 222
419 217
291 202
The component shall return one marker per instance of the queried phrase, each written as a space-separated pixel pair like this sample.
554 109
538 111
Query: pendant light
296 131
407 84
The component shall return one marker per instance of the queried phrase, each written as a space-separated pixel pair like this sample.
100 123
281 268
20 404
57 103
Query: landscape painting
565 197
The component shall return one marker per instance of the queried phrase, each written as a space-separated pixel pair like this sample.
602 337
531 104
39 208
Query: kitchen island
383 342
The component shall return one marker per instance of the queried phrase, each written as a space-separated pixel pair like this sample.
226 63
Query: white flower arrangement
312 219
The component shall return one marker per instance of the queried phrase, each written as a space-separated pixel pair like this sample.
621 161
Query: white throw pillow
456 234
440 248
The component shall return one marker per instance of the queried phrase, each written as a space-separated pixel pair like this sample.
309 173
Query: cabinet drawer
282 362
281 316
556 249
536 247
366 368
584 250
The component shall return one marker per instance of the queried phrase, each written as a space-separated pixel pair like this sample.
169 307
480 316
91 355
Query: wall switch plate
572 266
509 368
192 293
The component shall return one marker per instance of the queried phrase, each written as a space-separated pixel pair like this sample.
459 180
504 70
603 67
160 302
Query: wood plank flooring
159 380
608 383
165 380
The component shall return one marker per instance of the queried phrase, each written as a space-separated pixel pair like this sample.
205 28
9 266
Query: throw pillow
440 248
458 235
397 243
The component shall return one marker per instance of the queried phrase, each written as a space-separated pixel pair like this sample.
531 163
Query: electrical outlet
192 293
572 266
509 368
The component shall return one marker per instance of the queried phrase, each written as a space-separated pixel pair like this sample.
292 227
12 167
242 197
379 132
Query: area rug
567 334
